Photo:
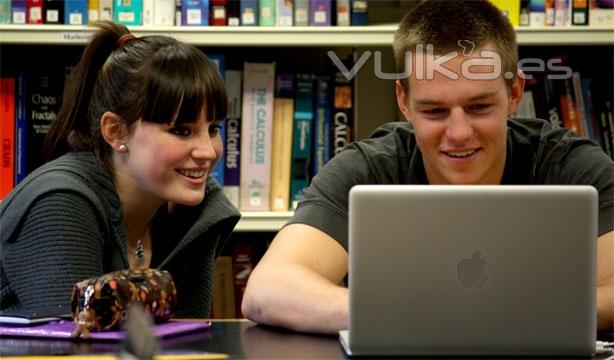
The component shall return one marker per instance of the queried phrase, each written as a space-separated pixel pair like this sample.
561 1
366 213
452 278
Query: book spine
223 301
359 13
106 9
576 83
590 112
243 263
322 148
5 11
549 12
21 126
75 12
525 13
284 13
93 13
267 13
34 11
568 109
18 11
128 12
233 137
579 12
601 13
233 10
343 112
343 12
282 143
256 142
148 12
249 12
301 12
320 13
164 12
218 13
7 138
218 170
561 12
509 8
537 12
301 141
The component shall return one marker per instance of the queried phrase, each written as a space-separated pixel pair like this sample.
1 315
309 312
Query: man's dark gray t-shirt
536 154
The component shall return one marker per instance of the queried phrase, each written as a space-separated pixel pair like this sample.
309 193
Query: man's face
460 125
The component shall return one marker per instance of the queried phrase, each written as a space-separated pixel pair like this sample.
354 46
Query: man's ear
516 93
402 100
113 129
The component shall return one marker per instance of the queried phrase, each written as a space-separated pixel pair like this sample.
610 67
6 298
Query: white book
164 12
105 10
256 139
148 12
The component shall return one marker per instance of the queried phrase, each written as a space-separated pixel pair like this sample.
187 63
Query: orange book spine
7 131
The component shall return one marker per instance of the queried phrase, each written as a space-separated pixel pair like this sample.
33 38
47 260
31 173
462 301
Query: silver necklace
139 249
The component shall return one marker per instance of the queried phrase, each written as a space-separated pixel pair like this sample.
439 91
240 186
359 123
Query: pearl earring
122 148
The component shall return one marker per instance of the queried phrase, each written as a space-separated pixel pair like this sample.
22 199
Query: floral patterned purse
101 303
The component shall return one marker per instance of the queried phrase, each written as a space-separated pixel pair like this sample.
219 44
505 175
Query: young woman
127 185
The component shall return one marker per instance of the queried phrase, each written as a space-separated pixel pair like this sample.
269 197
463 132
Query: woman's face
171 163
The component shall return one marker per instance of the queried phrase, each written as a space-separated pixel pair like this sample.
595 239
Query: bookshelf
305 39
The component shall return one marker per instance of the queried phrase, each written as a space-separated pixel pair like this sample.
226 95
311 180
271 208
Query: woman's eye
214 128
181 131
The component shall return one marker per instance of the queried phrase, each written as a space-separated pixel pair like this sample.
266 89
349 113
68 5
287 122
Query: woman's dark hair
153 78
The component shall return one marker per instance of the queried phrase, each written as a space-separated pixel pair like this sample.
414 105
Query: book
218 13
233 137
343 13
75 12
284 16
233 12
342 112
549 12
243 264
561 13
301 12
525 13
21 127
148 12
256 141
93 8
601 13
322 148
7 135
5 11
509 8
249 12
128 12
537 12
164 12
34 11
54 12
223 301
105 10
302 137
13 319
591 116
282 142
219 61
579 12
194 12
359 14
18 11
266 12
569 111
576 82
320 13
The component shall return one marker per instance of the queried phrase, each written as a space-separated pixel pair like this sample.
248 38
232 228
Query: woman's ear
114 131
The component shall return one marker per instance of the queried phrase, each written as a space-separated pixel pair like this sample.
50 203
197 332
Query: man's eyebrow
428 101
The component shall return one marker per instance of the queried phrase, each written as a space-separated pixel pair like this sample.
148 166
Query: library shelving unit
15 38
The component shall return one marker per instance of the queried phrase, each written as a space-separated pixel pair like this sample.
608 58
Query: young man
457 98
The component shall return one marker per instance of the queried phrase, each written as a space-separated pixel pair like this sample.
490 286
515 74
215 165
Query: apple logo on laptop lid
470 271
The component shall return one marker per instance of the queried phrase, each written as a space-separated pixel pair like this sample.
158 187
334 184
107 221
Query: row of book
569 102
280 131
558 13
187 12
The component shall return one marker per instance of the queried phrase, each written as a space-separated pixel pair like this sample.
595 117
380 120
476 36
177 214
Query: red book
219 16
7 131
34 11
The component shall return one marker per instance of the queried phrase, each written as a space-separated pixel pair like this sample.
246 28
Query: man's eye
181 131
479 107
434 111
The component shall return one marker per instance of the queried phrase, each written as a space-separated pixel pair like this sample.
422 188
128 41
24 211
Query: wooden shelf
263 220
378 35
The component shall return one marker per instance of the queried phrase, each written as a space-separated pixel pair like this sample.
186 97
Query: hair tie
124 39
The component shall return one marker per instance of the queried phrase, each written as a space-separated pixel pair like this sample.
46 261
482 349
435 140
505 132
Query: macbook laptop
472 270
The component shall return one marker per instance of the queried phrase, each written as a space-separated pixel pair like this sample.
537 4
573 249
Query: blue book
218 169
322 148
128 12
5 11
301 140
75 12
232 146
249 12
195 12
20 128
359 13
18 11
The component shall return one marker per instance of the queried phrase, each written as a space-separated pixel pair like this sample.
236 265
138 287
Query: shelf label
69 36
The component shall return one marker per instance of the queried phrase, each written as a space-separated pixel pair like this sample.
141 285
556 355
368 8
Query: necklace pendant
139 251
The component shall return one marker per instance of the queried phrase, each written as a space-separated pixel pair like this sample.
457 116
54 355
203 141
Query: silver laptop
472 270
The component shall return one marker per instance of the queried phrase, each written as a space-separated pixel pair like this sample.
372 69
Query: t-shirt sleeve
325 202
58 244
